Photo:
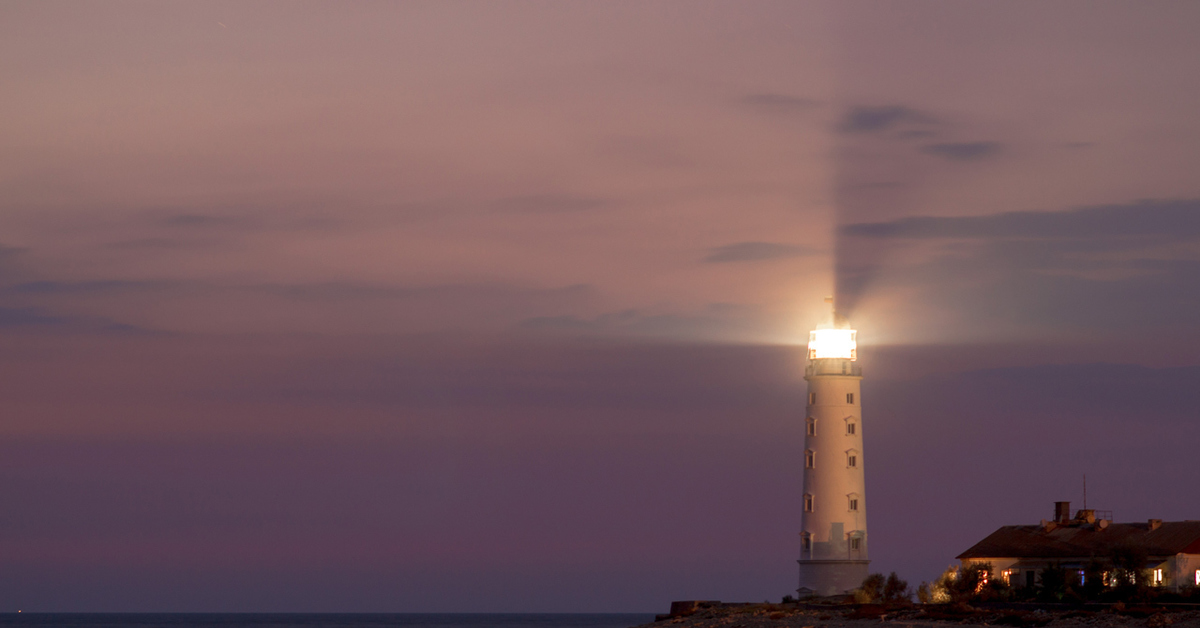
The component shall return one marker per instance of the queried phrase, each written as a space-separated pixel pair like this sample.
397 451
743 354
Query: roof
1087 540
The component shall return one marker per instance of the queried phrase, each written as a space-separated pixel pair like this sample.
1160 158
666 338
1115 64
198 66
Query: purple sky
466 306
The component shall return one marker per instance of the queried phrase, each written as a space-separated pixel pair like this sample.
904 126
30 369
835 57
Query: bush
1053 584
896 590
871 589
967 583
924 594
939 591
875 589
1129 571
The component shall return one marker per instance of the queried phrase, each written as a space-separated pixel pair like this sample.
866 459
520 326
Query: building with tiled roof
1019 553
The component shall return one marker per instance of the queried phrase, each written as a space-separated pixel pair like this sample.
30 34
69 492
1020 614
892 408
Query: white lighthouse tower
833 534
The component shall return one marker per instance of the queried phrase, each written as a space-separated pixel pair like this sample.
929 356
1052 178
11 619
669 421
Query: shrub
939 591
967 583
1053 584
924 595
896 590
871 589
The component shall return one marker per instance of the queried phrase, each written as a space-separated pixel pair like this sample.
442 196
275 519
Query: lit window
812 399
850 398
1198 577
811 427
1082 578
1007 575
850 428
808 503
809 459
1158 579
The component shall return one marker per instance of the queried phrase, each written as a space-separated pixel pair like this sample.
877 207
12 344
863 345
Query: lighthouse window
811 428
850 428
806 542
851 458
808 503
854 503
809 459
850 398
854 543
812 399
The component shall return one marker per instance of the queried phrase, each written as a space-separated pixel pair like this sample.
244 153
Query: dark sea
326 620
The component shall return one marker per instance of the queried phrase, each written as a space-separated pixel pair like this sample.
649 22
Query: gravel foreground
786 616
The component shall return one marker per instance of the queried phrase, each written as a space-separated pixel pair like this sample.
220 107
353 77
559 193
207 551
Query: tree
871 589
895 589
939 591
967 583
1094 575
1053 584
1129 571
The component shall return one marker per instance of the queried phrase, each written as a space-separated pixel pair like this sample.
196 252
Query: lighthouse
833 526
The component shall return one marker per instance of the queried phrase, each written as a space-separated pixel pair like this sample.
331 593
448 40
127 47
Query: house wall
1182 569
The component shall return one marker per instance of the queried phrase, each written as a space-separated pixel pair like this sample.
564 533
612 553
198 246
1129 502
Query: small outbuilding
1017 554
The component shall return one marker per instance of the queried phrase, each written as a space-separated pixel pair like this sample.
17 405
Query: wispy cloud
551 203
881 118
781 103
714 321
1169 219
962 151
755 252
1112 267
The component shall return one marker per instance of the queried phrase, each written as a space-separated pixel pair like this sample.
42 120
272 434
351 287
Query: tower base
831 577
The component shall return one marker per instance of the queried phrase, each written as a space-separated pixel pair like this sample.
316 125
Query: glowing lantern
832 343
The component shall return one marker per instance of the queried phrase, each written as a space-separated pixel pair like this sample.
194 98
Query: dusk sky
500 306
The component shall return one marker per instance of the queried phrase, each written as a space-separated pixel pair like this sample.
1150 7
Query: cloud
781 103
962 151
91 287
716 321
38 317
551 203
24 316
195 220
1173 219
1109 271
755 251
882 118
329 290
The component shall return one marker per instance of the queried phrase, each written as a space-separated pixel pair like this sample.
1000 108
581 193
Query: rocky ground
940 616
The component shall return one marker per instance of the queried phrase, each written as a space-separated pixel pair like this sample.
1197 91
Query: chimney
1062 512
1155 524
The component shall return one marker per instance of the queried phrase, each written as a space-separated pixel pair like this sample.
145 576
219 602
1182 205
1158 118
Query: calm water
304 620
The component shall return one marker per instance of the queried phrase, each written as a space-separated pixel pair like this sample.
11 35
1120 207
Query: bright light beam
832 343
